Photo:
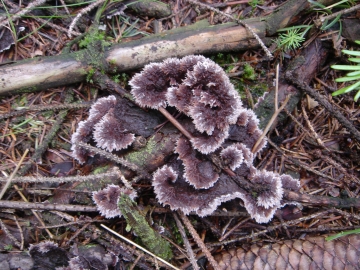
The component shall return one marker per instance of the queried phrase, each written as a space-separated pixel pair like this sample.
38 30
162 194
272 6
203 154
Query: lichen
150 238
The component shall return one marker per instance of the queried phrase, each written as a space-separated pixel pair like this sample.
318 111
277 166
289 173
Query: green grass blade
355 60
345 67
347 79
338 235
346 89
354 53
353 74
326 27
357 96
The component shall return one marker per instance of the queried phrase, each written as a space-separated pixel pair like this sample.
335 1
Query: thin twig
324 102
233 229
189 250
314 133
277 88
271 121
70 224
8 234
110 156
176 123
47 206
322 19
268 53
269 229
21 233
81 13
8 181
50 107
78 178
23 12
139 247
33 211
77 233
198 240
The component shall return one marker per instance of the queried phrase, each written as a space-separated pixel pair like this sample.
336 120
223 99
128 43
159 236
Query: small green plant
292 39
90 75
354 75
254 3
8 247
249 72
338 235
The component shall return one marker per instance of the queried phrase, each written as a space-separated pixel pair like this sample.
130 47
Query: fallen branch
200 38
47 206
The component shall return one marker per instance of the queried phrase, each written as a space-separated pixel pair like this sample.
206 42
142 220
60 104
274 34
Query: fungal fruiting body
201 90
221 127
107 200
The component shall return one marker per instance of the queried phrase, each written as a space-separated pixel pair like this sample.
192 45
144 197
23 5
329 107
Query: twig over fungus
199 173
112 124
222 135
200 89
107 200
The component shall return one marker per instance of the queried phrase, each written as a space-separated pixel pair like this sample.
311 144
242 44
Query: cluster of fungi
223 133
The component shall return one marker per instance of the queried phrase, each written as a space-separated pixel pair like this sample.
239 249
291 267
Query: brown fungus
110 133
207 144
232 157
246 130
178 194
149 86
85 128
199 173
216 104
107 199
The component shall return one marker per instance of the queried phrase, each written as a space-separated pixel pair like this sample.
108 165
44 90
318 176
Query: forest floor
310 142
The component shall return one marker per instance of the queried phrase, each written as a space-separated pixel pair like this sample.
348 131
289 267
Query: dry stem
198 240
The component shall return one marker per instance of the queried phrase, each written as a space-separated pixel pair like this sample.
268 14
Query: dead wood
298 82
200 38
326 201
305 66
309 253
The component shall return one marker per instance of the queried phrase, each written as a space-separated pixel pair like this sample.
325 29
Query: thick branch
200 38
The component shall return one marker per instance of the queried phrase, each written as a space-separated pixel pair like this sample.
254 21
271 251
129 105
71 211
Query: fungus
195 86
198 173
289 183
170 68
110 134
178 194
187 63
246 130
112 125
216 103
149 86
207 144
232 157
85 128
180 97
106 200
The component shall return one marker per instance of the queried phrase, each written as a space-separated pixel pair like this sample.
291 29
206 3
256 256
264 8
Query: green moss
249 72
150 238
90 75
141 157
94 45
101 170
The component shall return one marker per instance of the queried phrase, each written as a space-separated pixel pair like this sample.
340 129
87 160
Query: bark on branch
200 38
